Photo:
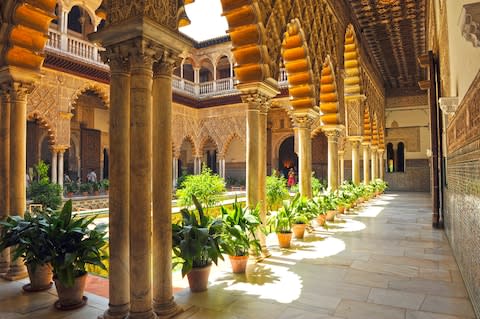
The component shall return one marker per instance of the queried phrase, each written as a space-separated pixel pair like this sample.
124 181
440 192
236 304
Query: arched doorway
210 155
287 158
38 145
185 161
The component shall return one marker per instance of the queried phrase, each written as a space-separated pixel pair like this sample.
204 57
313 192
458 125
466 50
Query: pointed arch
228 142
299 70
102 93
329 105
44 123
353 83
189 139
248 36
204 142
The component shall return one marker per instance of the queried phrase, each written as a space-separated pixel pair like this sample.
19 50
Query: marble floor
384 260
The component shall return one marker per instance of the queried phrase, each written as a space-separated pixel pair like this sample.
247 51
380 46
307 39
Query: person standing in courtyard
291 178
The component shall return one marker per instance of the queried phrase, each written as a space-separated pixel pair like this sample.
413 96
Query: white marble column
61 152
18 163
5 108
54 166
355 161
381 164
374 162
174 171
366 163
163 301
333 135
197 165
221 167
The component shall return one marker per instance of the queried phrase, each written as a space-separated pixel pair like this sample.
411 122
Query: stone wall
462 192
416 177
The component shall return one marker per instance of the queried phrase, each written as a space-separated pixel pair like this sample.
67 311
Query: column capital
304 119
16 90
257 101
341 153
356 141
258 95
164 66
142 53
116 56
373 148
333 131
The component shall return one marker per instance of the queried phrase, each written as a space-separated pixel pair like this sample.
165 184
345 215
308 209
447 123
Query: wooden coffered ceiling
394 31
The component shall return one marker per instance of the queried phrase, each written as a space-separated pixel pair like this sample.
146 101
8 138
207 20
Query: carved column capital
117 58
17 91
257 101
470 23
142 53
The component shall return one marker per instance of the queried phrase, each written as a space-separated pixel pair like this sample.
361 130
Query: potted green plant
196 244
71 188
30 243
41 191
240 225
105 185
302 214
85 188
73 243
95 187
281 222
276 190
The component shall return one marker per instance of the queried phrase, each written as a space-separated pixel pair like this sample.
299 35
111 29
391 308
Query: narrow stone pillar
221 167
54 167
333 134
61 152
18 164
141 63
366 163
163 302
303 122
119 177
174 171
197 165
4 170
341 163
381 164
355 161
373 162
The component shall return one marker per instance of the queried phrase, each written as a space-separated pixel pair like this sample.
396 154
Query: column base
16 272
115 312
167 310
142 315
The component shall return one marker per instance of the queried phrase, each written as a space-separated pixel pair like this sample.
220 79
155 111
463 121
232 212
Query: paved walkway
384 261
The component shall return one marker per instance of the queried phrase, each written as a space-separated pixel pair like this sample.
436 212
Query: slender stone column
174 171
373 161
141 182
355 161
54 167
119 177
61 152
163 303
341 164
333 134
197 165
221 165
18 164
252 155
366 163
303 122
381 164
4 170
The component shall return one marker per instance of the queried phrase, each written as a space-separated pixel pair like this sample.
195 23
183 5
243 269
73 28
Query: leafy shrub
41 191
206 187
276 191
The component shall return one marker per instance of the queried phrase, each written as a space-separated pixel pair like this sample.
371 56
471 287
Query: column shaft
54 166
381 165
18 164
356 162
174 171
252 157
119 177
141 187
341 156
304 161
366 164
332 137
5 108
262 172
163 303
60 167
373 163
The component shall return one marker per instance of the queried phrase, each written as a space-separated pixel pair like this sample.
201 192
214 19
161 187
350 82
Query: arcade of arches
350 90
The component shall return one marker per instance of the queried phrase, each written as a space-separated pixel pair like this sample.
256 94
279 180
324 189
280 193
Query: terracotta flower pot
70 194
239 264
71 297
331 215
284 239
299 230
198 278
341 209
40 279
321 219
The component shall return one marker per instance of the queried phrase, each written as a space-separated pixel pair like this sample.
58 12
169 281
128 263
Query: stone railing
72 46
202 90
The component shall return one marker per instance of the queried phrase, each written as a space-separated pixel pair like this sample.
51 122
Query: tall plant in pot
27 236
196 244
74 243
281 222
240 225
